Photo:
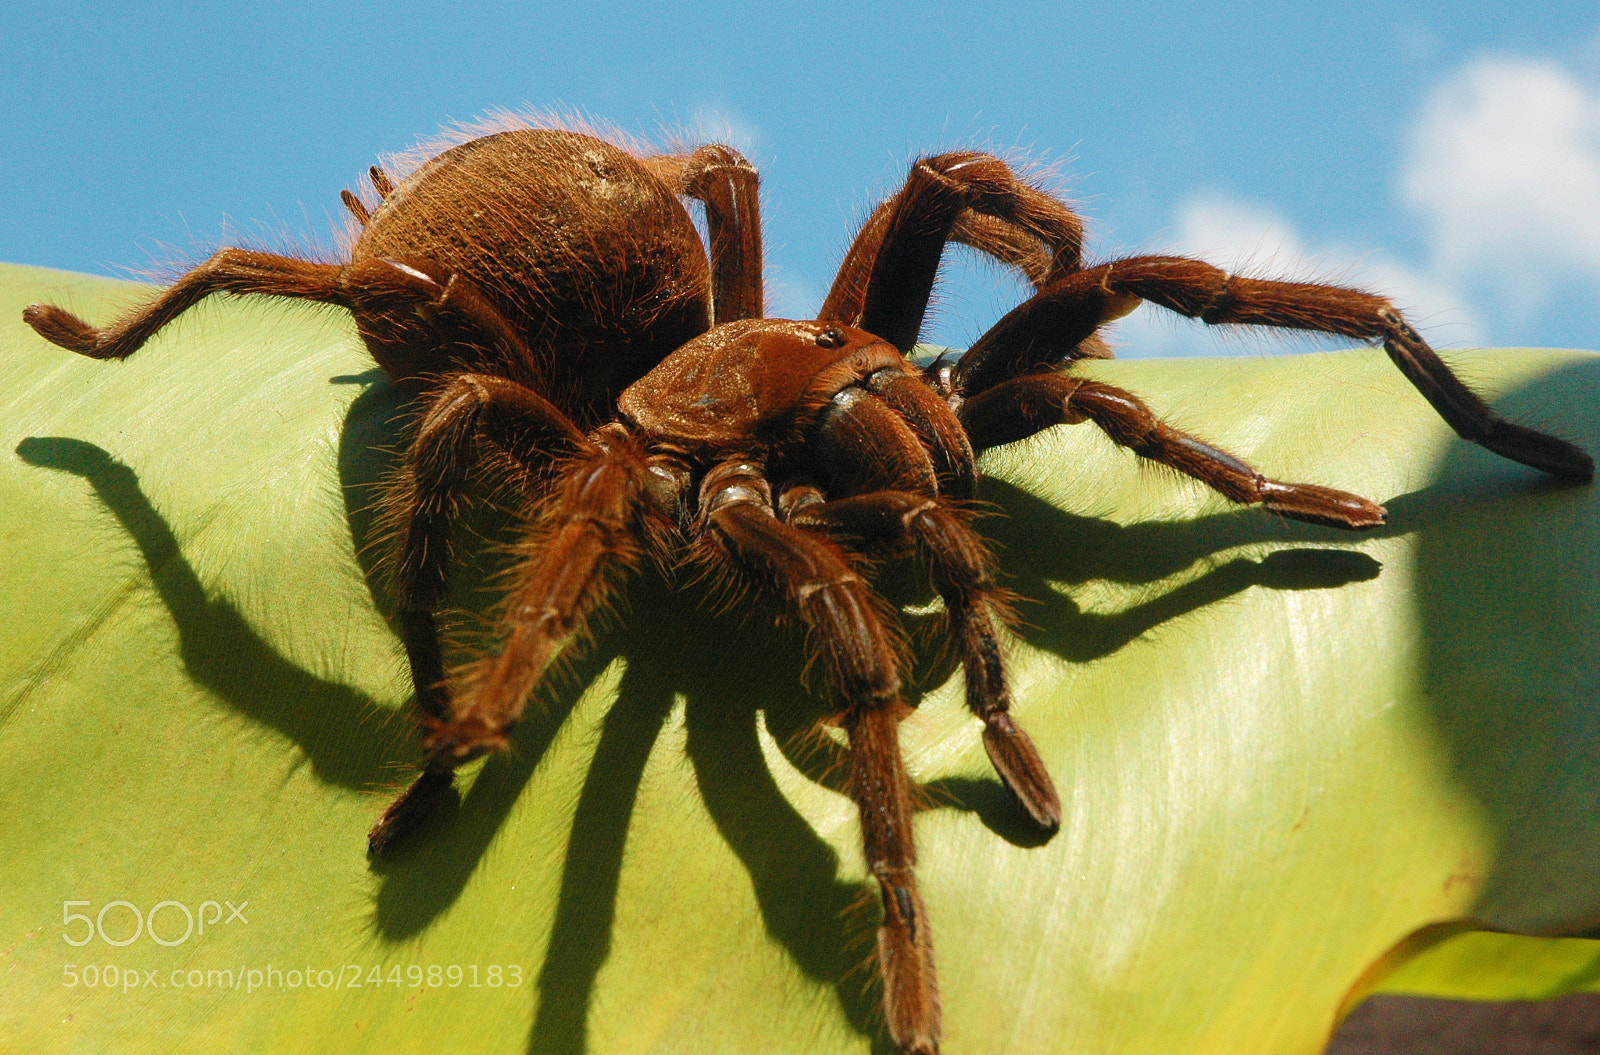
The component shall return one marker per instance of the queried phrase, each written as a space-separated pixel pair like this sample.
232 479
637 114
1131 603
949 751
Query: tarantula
546 296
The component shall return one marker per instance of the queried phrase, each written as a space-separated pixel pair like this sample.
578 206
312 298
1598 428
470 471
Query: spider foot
1021 770
1321 505
432 791
1536 450
64 329
905 957
1470 416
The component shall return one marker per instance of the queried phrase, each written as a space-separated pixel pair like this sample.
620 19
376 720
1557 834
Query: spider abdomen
588 255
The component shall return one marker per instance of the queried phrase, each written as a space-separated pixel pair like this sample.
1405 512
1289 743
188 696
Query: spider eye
831 338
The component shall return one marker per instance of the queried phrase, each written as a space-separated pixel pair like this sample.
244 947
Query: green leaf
1281 749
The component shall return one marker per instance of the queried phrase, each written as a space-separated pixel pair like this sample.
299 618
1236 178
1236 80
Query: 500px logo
125 930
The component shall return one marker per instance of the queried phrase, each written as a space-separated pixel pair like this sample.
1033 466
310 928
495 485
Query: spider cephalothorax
546 296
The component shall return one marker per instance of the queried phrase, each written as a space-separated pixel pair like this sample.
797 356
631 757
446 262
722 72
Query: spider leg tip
1577 467
434 789
1044 809
1021 770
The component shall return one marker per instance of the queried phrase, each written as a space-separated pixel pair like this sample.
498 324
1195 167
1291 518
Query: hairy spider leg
963 574
1044 329
870 450
861 664
227 271
887 277
728 186
469 329
942 436
424 497
422 502
416 284
594 522
1032 403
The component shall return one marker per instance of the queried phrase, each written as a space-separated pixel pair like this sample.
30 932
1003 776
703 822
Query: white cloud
1253 239
1504 163
789 297
1238 235
724 125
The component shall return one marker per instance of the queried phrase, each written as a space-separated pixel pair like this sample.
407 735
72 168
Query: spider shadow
804 904
332 723
1040 546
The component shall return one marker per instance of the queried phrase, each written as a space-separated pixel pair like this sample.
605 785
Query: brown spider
547 292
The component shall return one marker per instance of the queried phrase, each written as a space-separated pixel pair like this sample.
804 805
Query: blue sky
1447 153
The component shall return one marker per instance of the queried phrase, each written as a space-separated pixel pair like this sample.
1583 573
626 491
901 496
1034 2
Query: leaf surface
1281 749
